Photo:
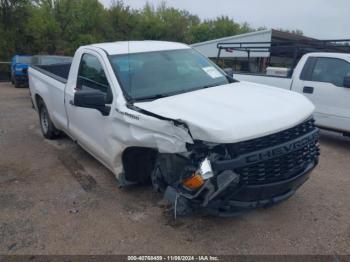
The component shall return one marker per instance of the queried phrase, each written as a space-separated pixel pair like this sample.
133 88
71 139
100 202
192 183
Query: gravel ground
56 199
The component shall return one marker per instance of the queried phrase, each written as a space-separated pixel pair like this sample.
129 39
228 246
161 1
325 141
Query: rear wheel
47 127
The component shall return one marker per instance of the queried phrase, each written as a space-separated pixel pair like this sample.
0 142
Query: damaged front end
228 179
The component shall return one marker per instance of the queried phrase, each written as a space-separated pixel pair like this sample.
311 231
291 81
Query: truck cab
324 78
19 70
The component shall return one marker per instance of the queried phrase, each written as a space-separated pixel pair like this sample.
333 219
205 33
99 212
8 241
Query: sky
322 19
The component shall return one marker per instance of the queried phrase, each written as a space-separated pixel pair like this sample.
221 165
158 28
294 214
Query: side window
330 70
91 74
306 73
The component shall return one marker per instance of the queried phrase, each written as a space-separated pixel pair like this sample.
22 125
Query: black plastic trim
237 207
271 152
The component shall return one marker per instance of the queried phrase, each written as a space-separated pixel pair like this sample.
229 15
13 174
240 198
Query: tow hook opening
185 203
192 189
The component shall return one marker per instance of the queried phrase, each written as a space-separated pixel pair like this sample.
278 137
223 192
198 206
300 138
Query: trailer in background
283 55
238 59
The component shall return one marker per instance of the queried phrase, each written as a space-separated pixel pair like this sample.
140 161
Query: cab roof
331 55
125 47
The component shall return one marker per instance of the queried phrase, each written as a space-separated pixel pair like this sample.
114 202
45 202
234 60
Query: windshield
158 74
24 59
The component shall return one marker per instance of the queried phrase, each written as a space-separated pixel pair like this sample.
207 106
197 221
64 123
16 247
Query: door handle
308 89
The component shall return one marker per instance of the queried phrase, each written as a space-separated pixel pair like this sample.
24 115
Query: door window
91 74
306 73
330 70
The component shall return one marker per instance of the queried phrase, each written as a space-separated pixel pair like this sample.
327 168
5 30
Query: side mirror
346 82
93 99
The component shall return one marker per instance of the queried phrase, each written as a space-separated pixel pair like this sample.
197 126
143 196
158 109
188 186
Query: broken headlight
205 169
203 173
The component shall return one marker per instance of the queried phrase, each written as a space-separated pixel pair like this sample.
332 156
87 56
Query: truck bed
276 81
49 81
59 72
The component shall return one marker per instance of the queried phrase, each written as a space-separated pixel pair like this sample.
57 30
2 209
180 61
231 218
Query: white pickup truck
324 78
161 111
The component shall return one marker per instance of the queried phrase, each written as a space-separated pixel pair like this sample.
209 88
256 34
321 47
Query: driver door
87 125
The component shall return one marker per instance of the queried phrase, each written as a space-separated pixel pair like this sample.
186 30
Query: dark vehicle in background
5 71
20 64
19 70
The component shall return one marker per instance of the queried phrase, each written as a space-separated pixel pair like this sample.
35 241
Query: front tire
48 129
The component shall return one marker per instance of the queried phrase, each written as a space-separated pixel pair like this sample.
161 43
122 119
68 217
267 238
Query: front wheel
47 127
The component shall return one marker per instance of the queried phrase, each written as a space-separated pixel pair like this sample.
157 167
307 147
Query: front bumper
236 199
246 198
256 179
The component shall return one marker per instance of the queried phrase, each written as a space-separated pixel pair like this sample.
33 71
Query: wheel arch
38 100
138 163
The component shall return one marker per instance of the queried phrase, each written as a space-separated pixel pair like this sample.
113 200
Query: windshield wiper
158 96
208 86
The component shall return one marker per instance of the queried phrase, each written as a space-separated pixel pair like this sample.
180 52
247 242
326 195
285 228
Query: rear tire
47 127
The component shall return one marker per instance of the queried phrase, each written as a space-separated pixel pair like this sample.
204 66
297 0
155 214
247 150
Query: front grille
279 168
282 167
271 140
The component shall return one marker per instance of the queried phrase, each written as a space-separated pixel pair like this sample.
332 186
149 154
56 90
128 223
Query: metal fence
5 71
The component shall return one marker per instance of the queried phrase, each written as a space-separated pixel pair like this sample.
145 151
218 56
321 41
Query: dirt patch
13 201
17 234
76 169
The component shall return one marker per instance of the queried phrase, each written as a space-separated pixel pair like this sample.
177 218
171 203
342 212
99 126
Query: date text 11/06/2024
173 258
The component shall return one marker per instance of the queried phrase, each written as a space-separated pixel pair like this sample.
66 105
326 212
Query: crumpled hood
234 112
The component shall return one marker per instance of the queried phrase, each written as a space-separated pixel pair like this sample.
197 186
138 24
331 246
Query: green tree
122 22
14 14
60 26
294 32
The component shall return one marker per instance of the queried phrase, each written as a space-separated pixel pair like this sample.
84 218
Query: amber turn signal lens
193 182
